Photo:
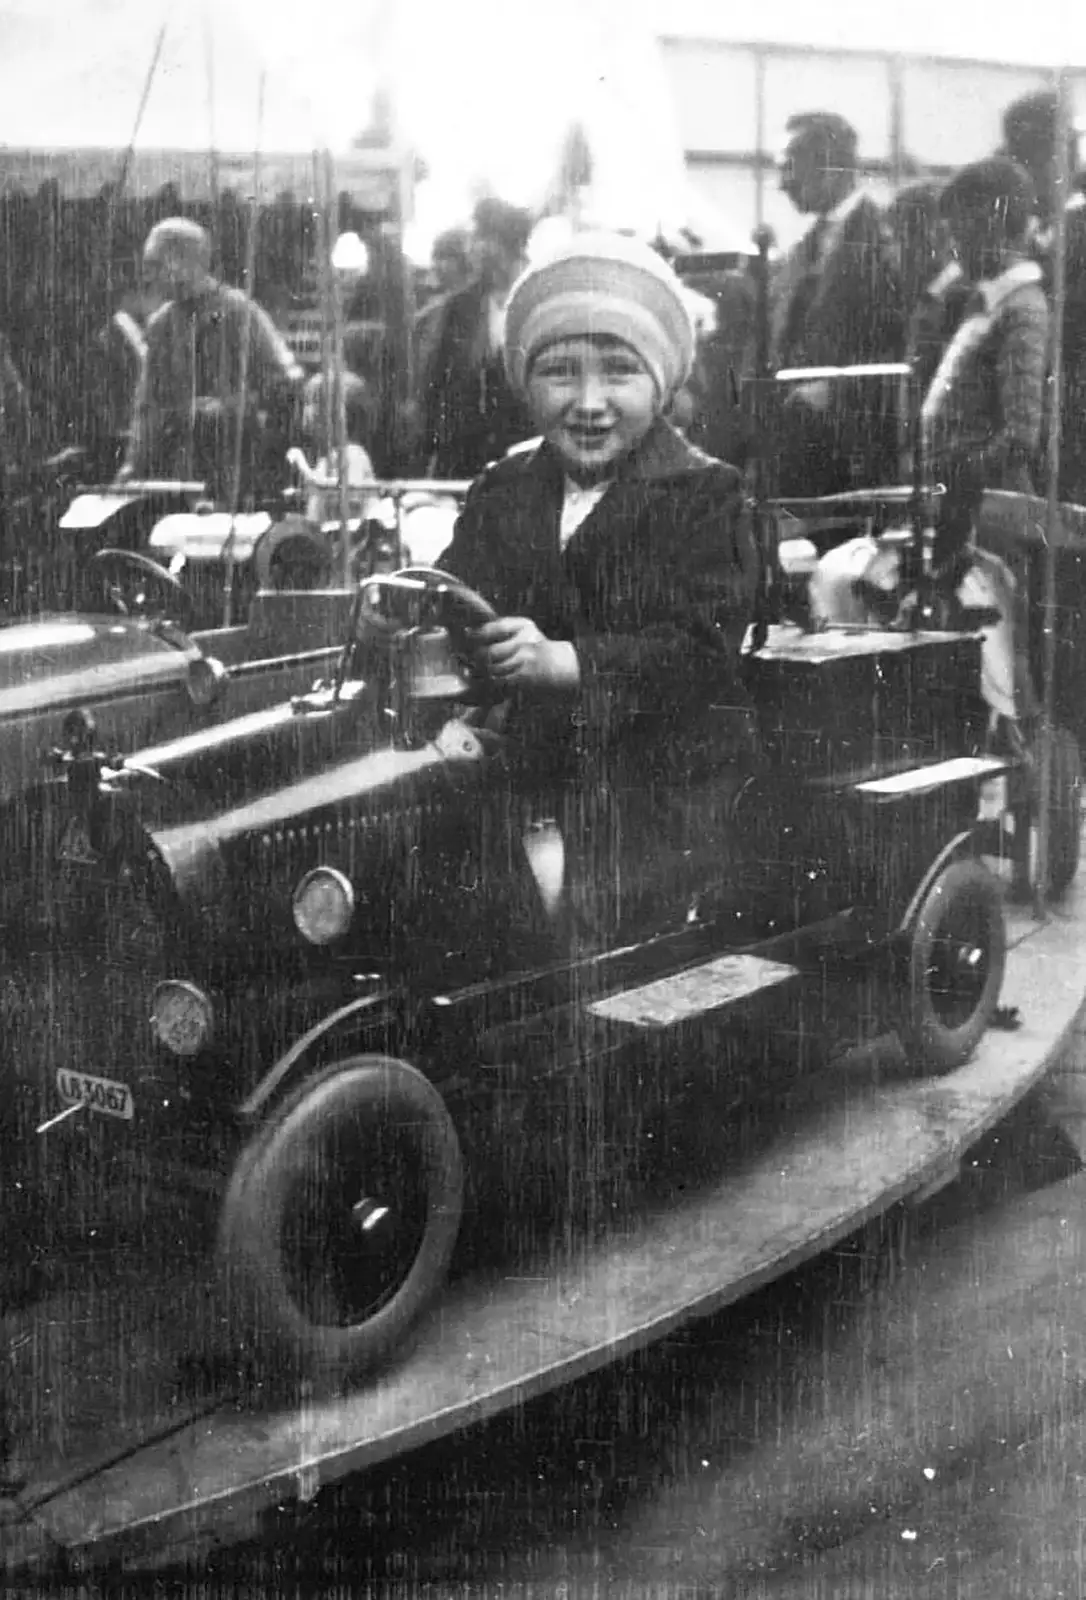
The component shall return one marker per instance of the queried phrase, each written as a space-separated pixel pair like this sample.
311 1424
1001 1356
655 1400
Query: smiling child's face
594 400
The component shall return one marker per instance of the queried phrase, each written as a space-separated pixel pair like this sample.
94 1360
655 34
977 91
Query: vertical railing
895 72
761 155
1061 182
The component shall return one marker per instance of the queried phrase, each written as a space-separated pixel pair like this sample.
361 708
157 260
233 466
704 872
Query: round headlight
182 1017
323 905
206 679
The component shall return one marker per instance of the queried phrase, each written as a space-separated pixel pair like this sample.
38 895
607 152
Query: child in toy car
621 560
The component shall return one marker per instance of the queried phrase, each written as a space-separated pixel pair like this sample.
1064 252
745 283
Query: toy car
319 953
876 521
883 526
130 656
224 559
176 525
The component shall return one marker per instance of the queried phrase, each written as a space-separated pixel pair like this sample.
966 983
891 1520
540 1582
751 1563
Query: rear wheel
340 1219
1064 815
292 556
298 565
954 969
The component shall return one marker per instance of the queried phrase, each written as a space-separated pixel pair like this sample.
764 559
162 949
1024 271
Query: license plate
104 1095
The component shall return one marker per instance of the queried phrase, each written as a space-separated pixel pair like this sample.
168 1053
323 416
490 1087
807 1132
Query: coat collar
844 208
993 291
663 453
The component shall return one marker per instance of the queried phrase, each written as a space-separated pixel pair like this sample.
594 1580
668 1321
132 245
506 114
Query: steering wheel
134 583
460 608
455 606
447 603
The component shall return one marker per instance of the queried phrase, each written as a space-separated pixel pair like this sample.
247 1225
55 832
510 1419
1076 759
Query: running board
713 986
614 1020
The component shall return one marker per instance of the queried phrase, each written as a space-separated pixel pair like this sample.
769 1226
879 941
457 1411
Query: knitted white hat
602 283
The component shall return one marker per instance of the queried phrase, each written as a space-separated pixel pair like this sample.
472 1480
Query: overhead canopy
370 177
72 77
1050 33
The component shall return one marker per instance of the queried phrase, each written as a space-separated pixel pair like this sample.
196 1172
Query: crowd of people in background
954 278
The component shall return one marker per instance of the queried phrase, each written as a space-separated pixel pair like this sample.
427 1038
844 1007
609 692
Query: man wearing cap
1029 137
835 302
201 343
465 413
624 567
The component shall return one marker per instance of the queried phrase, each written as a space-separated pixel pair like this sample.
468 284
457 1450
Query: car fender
961 845
201 537
198 877
96 510
347 1030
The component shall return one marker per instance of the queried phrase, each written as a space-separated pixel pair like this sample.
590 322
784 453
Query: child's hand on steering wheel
515 652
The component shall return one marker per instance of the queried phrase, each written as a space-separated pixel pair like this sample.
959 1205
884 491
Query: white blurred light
350 256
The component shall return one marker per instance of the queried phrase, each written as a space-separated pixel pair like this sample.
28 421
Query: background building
915 115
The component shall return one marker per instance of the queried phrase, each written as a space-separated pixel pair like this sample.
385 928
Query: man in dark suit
1029 137
465 413
835 302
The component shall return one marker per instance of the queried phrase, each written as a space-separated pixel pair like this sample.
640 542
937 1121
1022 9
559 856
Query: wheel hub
367 1214
968 959
957 972
354 1235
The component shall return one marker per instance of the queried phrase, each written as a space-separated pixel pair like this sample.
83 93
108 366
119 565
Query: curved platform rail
854 1142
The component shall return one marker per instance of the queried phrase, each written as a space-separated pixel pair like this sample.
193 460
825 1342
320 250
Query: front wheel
340 1220
955 959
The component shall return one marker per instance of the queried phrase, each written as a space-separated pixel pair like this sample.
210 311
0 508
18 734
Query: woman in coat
983 414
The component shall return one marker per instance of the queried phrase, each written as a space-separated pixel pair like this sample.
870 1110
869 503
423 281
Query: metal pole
404 212
243 372
213 149
116 190
335 388
126 159
895 72
1061 182
759 139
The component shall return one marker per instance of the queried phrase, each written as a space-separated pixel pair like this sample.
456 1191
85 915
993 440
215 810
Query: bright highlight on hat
602 283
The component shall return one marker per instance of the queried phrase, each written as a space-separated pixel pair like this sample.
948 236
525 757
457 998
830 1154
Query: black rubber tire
264 1314
1065 814
933 1042
299 564
290 551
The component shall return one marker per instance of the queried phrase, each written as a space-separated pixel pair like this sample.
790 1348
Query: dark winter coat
1073 395
982 416
835 296
655 590
657 580
836 302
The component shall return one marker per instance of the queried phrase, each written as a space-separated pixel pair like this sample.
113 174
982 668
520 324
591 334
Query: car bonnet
68 661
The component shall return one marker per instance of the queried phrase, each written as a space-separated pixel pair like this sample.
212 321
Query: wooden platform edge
233 1515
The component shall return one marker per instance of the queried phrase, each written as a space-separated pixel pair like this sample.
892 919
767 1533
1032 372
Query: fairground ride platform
123 1468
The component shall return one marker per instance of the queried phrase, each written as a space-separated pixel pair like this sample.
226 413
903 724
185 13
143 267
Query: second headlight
323 905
